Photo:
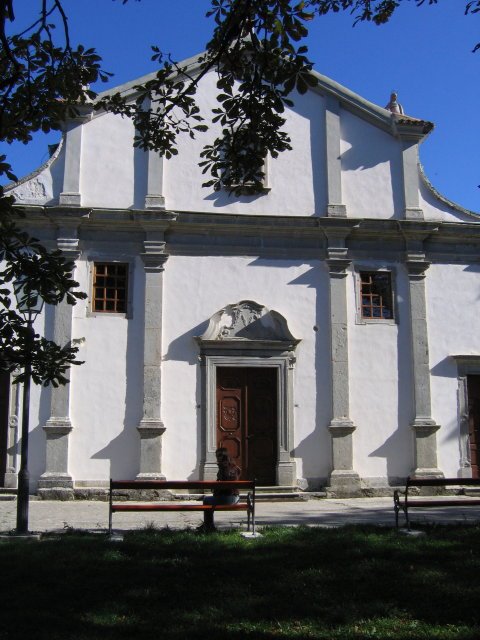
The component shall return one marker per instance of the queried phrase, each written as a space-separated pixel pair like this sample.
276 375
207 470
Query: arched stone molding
248 334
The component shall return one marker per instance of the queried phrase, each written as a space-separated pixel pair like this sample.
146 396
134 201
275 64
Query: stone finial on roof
393 105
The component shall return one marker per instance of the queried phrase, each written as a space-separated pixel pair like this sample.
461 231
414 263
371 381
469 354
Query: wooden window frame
102 293
370 297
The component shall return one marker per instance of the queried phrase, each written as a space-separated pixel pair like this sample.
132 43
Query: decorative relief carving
32 191
247 320
230 415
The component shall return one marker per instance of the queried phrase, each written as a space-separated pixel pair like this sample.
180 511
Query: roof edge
352 101
443 199
40 169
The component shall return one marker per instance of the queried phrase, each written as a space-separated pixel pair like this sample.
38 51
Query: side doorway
247 421
473 390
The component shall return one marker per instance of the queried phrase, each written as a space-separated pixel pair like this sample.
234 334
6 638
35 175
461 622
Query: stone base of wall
308 488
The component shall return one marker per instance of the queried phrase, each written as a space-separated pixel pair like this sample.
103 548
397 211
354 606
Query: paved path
56 515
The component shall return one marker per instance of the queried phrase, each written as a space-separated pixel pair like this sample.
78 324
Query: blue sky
424 53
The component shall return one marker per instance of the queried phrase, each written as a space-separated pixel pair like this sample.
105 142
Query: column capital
416 267
154 256
337 267
68 242
154 262
337 230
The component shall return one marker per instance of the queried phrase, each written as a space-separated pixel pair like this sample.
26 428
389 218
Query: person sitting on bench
226 471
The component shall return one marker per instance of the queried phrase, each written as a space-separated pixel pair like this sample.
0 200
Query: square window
110 286
376 295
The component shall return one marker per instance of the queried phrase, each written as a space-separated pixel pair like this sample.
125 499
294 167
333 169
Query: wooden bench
424 502
247 505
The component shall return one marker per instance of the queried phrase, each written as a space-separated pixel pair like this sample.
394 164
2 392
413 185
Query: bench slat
444 503
205 485
442 482
181 484
238 506
409 501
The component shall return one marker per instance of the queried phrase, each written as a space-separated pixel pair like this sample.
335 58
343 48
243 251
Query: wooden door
247 420
473 383
4 412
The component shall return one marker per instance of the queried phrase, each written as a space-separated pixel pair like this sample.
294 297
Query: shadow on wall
123 451
366 154
398 449
140 174
307 107
452 431
184 348
315 449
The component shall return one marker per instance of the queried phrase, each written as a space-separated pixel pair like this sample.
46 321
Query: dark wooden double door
473 383
247 420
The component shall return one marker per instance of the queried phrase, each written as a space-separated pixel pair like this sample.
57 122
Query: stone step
7 494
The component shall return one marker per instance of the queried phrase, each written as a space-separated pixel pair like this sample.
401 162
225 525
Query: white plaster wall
197 287
371 170
296 177
435 208
106 402
113 172
380 388
453 311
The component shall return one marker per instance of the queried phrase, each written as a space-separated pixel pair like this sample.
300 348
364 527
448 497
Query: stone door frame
284 364
247 335
467 365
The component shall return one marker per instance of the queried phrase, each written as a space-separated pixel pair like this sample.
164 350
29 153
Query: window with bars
110 287
376 300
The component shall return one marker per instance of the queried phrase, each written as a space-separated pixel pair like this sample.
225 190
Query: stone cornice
290 236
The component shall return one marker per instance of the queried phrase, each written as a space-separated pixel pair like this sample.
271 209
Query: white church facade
326 331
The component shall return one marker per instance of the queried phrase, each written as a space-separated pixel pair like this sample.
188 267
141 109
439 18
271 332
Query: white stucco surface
380 384
287 287
112 170
106 402
454 329
207 270
371 170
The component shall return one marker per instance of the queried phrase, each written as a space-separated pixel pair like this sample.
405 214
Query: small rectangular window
110 287
376 300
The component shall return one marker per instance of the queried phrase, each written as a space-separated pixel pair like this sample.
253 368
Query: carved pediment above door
250 322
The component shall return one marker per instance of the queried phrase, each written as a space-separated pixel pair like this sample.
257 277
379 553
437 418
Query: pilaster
151 428
344 480
56 481
335 208
423 426
410 132
155 198
11 476
71 192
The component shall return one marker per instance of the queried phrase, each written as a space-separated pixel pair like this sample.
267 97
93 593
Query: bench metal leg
110 510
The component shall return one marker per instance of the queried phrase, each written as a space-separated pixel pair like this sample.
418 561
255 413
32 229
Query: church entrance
247 421
4 413
474 423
